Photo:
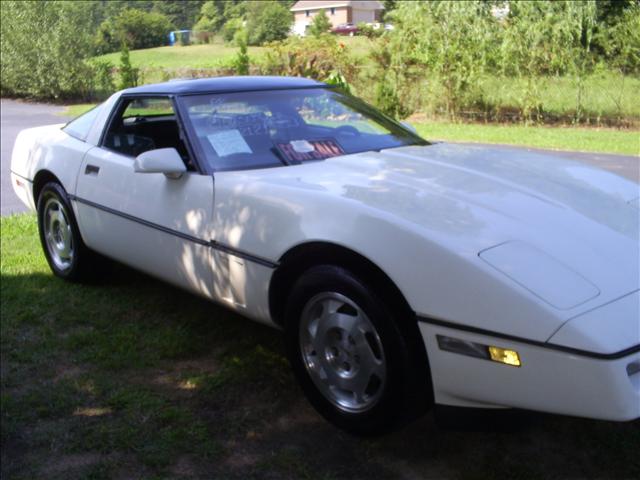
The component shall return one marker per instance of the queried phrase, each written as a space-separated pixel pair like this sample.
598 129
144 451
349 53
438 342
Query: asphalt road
19 115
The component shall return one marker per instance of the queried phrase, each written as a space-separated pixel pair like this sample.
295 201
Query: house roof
225 84
324 4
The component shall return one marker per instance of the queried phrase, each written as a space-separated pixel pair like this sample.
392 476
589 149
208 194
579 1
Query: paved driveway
18 115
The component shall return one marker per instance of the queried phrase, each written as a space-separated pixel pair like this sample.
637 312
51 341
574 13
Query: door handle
91 169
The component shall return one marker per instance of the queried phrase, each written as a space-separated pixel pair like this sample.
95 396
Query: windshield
268 128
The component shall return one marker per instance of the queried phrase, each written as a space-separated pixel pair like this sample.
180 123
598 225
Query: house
339 12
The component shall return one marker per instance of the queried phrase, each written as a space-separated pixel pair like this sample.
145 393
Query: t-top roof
225 84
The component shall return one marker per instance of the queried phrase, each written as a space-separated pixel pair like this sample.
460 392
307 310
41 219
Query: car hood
472 198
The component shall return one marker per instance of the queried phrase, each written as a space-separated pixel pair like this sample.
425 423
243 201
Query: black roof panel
224 84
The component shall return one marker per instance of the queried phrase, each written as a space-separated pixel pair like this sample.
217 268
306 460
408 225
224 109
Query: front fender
438 278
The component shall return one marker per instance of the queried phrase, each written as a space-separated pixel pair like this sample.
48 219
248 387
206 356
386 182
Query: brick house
339 12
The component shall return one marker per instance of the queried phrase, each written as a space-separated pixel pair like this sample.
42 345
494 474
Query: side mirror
161 160
408 126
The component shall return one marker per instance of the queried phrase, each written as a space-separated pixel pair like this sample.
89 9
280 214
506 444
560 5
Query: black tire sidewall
388 412
74 272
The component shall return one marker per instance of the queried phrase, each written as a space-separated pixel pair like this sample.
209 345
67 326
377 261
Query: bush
103 78
137 28
368 30
310 57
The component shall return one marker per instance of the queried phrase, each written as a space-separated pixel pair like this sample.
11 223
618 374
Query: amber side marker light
503 355
478 350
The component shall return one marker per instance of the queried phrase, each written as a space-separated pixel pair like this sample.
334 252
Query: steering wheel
349 130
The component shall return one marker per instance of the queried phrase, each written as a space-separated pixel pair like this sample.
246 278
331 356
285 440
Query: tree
181 14
128 73
242 61
449 42
44 47
389 6
267 21
211 19
320 24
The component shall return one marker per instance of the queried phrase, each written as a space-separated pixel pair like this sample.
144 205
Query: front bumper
549 380
23 188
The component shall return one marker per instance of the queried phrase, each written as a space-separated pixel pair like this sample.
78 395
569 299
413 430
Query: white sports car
402 273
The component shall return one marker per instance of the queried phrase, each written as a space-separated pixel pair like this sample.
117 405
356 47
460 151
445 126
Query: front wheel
350 353
62 244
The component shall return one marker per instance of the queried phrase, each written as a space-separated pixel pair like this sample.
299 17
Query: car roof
225 84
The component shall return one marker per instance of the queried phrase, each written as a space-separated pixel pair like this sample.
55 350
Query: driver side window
143 124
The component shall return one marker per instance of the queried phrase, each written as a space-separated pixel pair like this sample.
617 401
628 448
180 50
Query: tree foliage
182 15
449 41
211 19
128 74
241 61
267 21
44 47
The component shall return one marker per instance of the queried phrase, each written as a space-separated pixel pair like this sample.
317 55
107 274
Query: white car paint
441 221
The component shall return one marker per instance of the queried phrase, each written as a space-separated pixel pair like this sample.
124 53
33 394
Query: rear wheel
351 355
66 253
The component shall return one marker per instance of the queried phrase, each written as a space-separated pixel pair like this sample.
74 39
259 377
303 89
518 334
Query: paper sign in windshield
305 150
228 142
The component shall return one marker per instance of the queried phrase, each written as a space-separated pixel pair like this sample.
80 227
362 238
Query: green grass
208 55
131 378
76 110
625 142
603 95
192 56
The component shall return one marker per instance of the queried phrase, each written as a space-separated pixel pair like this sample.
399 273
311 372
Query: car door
154 223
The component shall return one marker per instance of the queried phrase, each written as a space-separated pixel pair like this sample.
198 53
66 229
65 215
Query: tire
67 255
359 369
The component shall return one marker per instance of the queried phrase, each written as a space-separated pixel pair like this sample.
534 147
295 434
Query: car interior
140 127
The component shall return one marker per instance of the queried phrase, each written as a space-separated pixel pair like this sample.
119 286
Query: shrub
103 78
368 30
137 28
320 24
309 57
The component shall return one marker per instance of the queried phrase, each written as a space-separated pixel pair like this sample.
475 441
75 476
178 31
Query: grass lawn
192 56
208 55
625 142
131 378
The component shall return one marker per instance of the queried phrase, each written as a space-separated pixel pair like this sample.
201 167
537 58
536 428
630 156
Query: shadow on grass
134 378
